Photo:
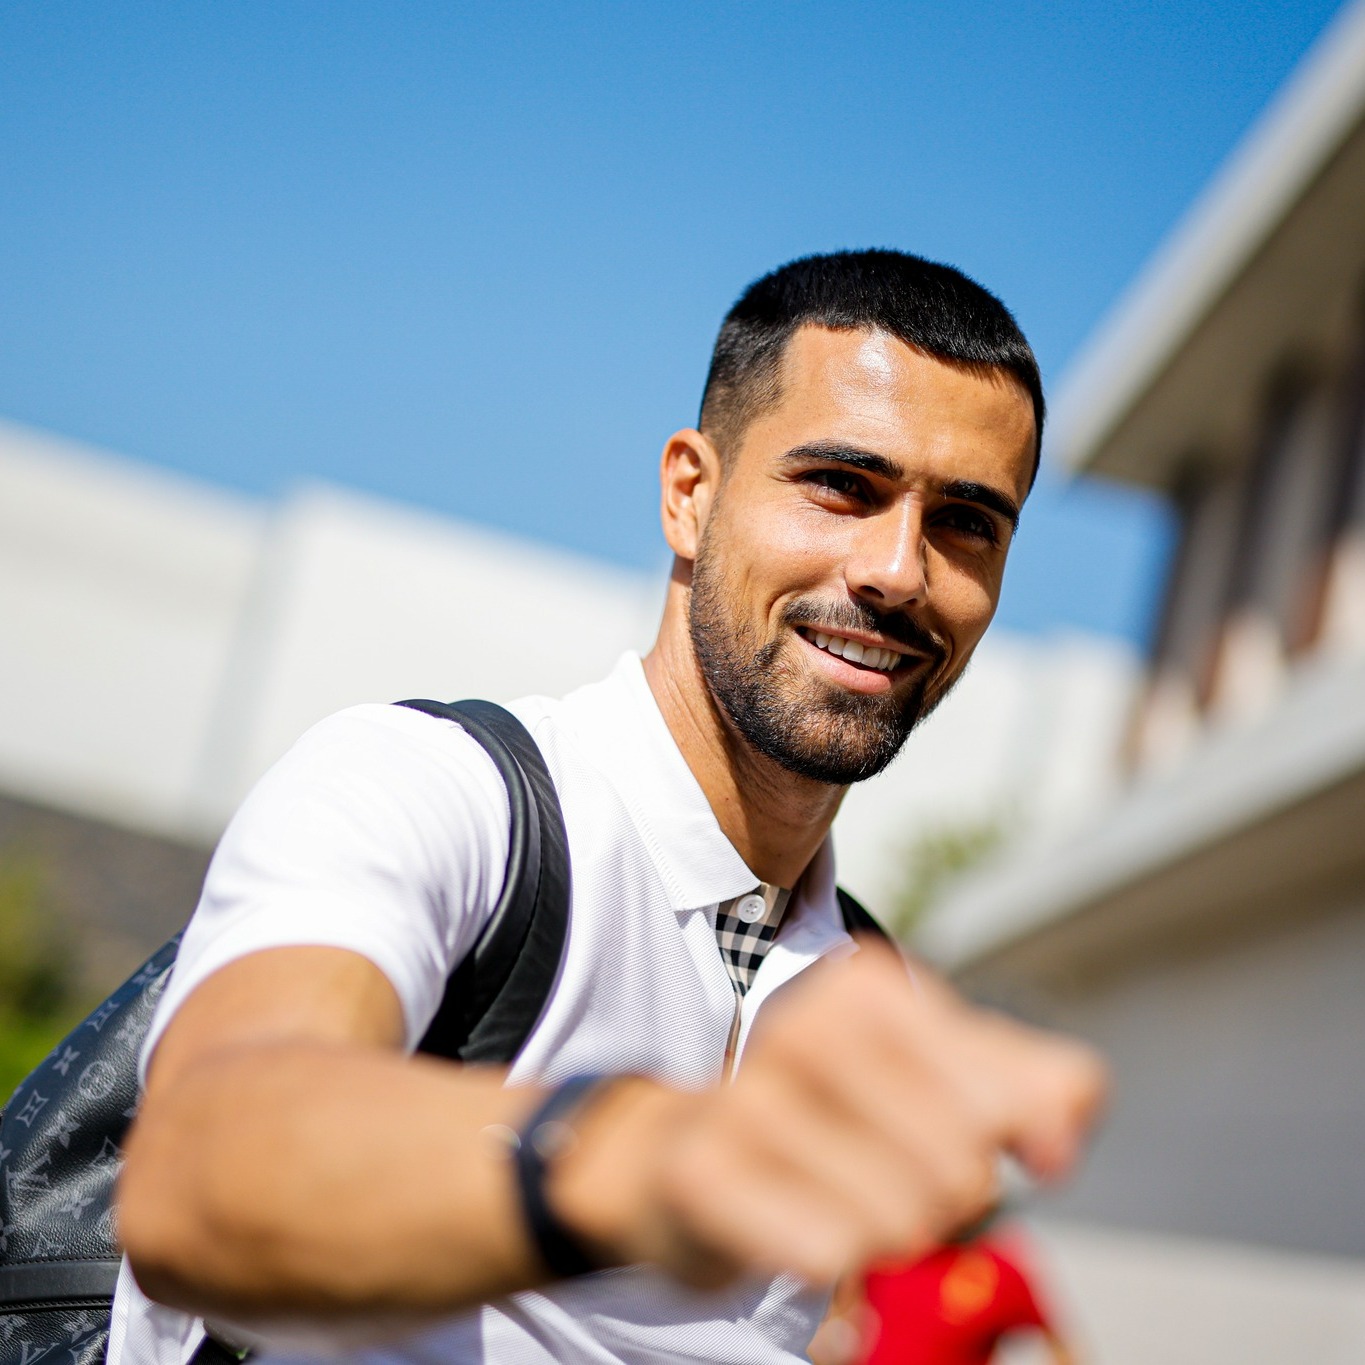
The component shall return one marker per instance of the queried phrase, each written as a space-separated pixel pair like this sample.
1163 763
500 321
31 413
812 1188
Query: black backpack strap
495 996
38 1282
856 919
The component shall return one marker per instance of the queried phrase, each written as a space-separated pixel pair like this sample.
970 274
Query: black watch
544 1136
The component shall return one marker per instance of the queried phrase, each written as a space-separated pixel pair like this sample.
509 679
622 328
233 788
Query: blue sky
473 256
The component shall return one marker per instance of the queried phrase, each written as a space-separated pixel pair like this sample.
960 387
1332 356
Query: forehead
868 389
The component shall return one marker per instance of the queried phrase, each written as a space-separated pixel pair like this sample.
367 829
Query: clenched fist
866 1120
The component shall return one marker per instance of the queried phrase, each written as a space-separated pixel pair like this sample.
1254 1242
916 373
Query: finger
900 1182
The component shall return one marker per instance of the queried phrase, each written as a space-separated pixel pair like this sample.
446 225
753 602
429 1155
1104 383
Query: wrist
544 1139
602 1188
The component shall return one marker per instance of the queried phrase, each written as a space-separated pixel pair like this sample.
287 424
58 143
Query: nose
888 561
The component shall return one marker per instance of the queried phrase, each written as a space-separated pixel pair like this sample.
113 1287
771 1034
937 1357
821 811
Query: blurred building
162 641
1208 927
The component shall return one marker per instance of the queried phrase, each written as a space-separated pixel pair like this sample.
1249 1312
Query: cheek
788 553
967 602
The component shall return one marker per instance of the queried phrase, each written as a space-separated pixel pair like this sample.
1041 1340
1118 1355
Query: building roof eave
1212 246
1215 836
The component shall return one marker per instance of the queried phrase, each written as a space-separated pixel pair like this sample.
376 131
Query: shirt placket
774 901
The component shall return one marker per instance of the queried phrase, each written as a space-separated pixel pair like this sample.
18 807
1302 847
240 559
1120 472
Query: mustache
855 616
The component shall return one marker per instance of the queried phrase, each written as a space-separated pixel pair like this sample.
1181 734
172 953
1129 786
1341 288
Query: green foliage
37 987
938 858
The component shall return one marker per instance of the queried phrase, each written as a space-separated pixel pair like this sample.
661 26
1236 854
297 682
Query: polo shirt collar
629 740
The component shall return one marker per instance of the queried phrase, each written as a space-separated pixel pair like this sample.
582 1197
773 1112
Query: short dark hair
932 307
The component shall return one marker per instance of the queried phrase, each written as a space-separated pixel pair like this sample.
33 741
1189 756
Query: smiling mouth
854 652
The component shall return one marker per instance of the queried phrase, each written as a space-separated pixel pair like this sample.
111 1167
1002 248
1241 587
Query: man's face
853 555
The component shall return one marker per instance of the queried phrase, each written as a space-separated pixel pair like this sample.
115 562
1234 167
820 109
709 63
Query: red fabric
951 1308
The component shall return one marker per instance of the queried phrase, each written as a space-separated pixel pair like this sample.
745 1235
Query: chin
830 735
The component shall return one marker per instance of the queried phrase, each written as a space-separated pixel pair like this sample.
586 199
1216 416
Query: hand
865 1121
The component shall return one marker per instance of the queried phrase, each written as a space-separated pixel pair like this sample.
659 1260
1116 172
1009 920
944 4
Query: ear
689 475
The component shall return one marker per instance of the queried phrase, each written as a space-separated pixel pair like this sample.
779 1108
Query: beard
812 728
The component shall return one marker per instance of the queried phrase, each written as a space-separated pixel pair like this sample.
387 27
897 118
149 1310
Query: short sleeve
383 831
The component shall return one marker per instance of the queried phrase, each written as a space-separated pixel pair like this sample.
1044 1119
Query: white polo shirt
384 831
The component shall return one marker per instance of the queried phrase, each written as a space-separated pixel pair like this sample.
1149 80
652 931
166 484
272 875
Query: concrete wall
1239 1108
122 593
163 641
359 600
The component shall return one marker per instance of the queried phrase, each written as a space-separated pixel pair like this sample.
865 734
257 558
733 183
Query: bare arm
288 1161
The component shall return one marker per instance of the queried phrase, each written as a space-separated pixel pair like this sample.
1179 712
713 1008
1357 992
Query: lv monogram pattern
60 1138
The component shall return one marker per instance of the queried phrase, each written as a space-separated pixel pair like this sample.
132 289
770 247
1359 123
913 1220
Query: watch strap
541 1138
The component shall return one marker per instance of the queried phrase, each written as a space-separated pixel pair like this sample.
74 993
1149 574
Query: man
785 1106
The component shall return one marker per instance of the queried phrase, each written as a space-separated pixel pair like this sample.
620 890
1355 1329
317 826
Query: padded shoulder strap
495 996
856 919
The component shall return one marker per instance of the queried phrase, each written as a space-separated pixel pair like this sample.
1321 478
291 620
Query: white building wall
121 590
360 600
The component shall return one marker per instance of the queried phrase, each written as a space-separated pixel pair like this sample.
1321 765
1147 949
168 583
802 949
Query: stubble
811 727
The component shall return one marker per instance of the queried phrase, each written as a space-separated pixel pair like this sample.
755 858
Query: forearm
307 1179
337 1181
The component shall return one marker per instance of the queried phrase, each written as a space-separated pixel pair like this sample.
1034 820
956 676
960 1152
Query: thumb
1061 1090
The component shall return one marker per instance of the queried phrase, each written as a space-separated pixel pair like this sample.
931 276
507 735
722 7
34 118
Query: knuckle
898 1223
822 1259
686 1182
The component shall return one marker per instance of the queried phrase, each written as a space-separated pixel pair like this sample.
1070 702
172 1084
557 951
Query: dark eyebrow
834 452
869 462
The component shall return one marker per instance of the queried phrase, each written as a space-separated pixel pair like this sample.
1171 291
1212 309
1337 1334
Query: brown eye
838 481
968 521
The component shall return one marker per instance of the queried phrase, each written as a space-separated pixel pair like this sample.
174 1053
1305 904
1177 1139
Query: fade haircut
934 308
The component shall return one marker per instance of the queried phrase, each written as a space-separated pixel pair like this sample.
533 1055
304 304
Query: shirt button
751 908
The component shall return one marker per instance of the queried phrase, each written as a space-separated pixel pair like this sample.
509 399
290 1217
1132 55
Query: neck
775 819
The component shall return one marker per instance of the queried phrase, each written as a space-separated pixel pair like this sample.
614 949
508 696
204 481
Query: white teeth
869 656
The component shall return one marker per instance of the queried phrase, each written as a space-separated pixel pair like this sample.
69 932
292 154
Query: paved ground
1145 1299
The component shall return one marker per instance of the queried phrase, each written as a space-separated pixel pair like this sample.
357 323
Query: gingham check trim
742 945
